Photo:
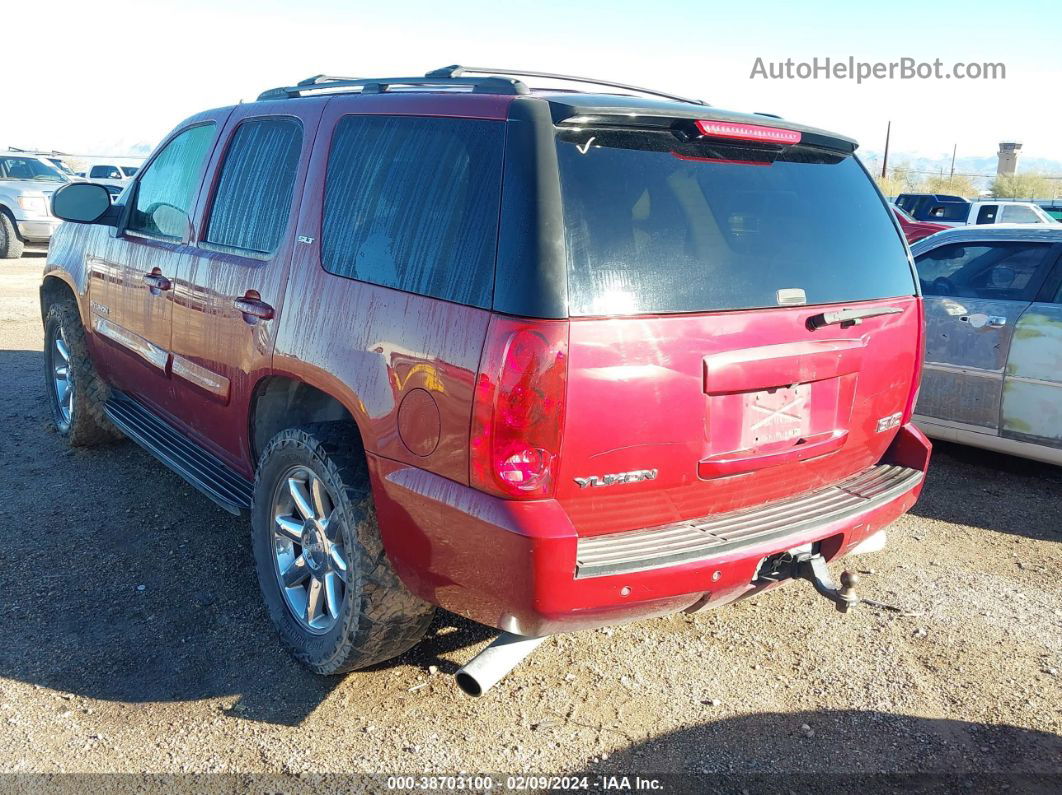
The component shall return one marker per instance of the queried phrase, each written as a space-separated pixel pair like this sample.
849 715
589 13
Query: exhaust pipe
491 665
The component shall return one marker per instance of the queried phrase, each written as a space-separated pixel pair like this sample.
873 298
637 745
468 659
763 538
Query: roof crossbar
457 71
378 85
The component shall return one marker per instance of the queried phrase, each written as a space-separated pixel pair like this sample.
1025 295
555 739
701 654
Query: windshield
29 168
129 170
656 225
61 166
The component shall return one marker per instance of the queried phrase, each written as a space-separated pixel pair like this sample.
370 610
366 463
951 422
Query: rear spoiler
622 112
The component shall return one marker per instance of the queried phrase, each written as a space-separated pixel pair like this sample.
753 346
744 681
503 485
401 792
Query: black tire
11 245
379 618
86 425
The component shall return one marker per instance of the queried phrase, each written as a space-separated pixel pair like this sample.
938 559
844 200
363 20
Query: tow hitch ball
815 571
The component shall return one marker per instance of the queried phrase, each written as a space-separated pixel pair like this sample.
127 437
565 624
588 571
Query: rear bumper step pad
206 472
691 540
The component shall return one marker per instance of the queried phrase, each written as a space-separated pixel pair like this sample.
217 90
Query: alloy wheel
62 380
309 558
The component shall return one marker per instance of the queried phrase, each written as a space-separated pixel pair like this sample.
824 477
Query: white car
990 211
109 173
27 183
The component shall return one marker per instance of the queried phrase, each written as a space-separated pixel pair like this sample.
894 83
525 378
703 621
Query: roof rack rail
378 85
456 71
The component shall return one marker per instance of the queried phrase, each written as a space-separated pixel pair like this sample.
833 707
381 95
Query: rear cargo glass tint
412 203
654 225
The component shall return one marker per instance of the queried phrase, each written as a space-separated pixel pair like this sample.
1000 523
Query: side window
1016 214
104 172
412 203
1002 271
253 199
167 188
987 214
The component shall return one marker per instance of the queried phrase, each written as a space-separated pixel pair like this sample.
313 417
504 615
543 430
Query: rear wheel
77 395
11 244
329 587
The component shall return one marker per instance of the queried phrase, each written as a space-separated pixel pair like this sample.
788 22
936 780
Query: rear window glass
952 211
655 225
412 203
105 172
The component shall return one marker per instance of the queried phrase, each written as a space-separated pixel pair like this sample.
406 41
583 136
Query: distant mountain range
984 167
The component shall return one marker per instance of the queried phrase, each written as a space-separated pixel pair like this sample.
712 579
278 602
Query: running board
205 471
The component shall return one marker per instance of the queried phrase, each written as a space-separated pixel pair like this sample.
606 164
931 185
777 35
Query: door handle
156 282
980 321
253 308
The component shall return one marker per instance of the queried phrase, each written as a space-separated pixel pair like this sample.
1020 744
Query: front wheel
11 245
328 585
77 395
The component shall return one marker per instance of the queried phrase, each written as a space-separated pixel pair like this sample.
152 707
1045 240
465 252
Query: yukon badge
636 476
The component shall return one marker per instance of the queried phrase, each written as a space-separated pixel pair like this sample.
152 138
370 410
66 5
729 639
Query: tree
901 180
1025 186
957 185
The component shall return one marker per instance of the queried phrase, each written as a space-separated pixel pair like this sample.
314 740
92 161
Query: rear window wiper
850 317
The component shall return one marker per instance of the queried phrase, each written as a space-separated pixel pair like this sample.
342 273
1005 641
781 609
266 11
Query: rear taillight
920 356
519 407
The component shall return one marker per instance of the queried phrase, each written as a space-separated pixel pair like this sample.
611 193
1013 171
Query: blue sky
124 73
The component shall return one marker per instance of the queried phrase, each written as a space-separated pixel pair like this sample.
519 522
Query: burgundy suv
550 360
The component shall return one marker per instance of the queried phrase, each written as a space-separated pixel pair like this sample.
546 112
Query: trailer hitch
813 569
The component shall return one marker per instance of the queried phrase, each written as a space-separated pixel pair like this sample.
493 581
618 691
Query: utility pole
953 150
885 159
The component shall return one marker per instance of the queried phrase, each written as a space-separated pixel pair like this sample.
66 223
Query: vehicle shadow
120 582
836 750
1012 498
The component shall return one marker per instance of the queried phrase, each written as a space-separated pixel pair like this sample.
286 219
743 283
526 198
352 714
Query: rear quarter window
412 203
653 226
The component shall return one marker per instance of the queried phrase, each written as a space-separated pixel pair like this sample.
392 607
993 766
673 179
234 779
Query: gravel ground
135 641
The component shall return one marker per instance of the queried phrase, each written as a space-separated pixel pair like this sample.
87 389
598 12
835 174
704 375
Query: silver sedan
993 371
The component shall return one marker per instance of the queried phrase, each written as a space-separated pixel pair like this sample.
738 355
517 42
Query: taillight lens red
748 132
519 407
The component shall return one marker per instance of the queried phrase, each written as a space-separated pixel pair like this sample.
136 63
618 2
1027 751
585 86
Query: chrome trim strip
922 420
937 429
952 368
1038 381
689 541
203 378
147 350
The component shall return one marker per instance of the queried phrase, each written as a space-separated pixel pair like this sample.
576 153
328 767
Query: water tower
1008 159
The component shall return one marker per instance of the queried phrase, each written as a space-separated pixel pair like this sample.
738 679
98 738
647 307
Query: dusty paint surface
1033 411
969 386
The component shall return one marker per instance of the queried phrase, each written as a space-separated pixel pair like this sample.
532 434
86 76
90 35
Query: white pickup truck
956 211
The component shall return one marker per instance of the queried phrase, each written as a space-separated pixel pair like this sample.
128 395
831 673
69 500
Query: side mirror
83 203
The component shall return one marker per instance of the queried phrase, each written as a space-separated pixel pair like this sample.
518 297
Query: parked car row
957 211
27 183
